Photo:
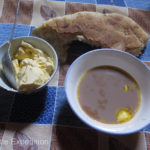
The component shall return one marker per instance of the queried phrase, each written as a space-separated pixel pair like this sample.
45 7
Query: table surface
44 121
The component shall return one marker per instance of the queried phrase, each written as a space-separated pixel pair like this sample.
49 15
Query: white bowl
120 59
36 42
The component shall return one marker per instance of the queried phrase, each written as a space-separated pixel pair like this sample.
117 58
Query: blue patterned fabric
146 55
5 30
147 128
140 4
83 1
37 107
63 114
20 30
106 2
50 105
119 3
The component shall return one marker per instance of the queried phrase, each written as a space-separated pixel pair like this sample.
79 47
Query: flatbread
97 29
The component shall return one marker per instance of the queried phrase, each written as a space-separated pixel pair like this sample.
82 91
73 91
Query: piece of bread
101 30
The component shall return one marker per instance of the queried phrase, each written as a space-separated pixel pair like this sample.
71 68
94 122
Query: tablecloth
44 120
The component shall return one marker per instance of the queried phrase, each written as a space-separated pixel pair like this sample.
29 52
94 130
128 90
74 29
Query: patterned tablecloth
44 121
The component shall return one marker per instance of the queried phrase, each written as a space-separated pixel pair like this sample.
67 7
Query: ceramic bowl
126 62
36 42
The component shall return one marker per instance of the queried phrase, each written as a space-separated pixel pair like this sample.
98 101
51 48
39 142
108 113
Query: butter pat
32 67
123 115
31 77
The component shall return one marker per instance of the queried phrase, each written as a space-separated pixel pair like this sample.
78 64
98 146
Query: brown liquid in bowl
104 90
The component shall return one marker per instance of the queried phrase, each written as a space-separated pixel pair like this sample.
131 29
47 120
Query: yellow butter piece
28 61
123 115
16 66
32 67
22 54
126 88
30 76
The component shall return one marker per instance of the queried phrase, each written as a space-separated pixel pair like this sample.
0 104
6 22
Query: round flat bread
101 30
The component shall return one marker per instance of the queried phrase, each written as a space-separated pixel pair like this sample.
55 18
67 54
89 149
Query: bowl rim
52 75
74 110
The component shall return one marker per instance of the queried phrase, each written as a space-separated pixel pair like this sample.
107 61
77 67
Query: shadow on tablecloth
27 108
